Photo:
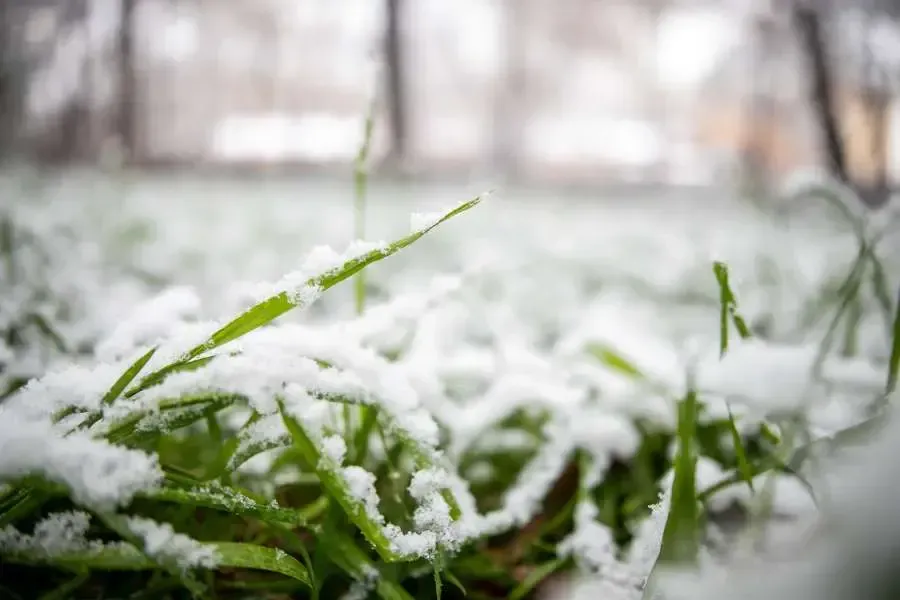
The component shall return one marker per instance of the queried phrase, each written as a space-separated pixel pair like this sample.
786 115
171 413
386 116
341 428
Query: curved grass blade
275 306
67 589
335 486
535 577
261 558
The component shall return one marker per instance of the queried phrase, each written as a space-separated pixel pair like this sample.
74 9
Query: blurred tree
8 83
396 82
511 90
870 83
806 19
127 96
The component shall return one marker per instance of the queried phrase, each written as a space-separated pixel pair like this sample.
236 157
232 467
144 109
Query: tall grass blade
127 377
728 308
894 361
360 186
680 540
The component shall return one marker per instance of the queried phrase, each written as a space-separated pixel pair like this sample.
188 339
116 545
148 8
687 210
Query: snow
55 535
97 473
163 543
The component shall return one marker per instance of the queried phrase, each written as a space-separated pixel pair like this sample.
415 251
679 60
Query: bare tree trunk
877 103
808 25
511 93
127 110
10 82
763 112
396 83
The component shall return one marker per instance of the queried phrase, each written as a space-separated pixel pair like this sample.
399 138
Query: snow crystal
162 542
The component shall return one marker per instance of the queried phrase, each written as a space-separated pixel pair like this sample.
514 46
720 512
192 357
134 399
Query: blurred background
558 92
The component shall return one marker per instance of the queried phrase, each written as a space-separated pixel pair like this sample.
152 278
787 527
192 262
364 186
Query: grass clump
261 458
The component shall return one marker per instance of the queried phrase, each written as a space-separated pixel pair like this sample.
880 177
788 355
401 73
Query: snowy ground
498 304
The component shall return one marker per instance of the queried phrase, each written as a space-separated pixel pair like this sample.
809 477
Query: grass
303 528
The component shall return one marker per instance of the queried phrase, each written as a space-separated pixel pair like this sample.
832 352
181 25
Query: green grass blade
67 590
744 466
127 557
535 577
226 499
127 377
270 309
160 375
111 557
728 307
172 414
616 361
455 582
342 550
360 186
894 361
261 558
680 540
334 484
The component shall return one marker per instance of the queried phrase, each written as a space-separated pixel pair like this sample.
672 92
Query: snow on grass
97 473
54 535
540 332
160 541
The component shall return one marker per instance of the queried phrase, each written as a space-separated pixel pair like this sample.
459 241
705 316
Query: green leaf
262 558
535 577
272 308
680 540
456 582
744 467
343 551
127 377
728 307
229 500
67 589
160 375
172 414
894 362
361 178
337 488
613 359
127 557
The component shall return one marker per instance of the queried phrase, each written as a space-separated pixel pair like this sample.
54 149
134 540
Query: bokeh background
653 92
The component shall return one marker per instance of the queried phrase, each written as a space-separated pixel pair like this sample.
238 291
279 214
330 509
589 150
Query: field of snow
533 334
